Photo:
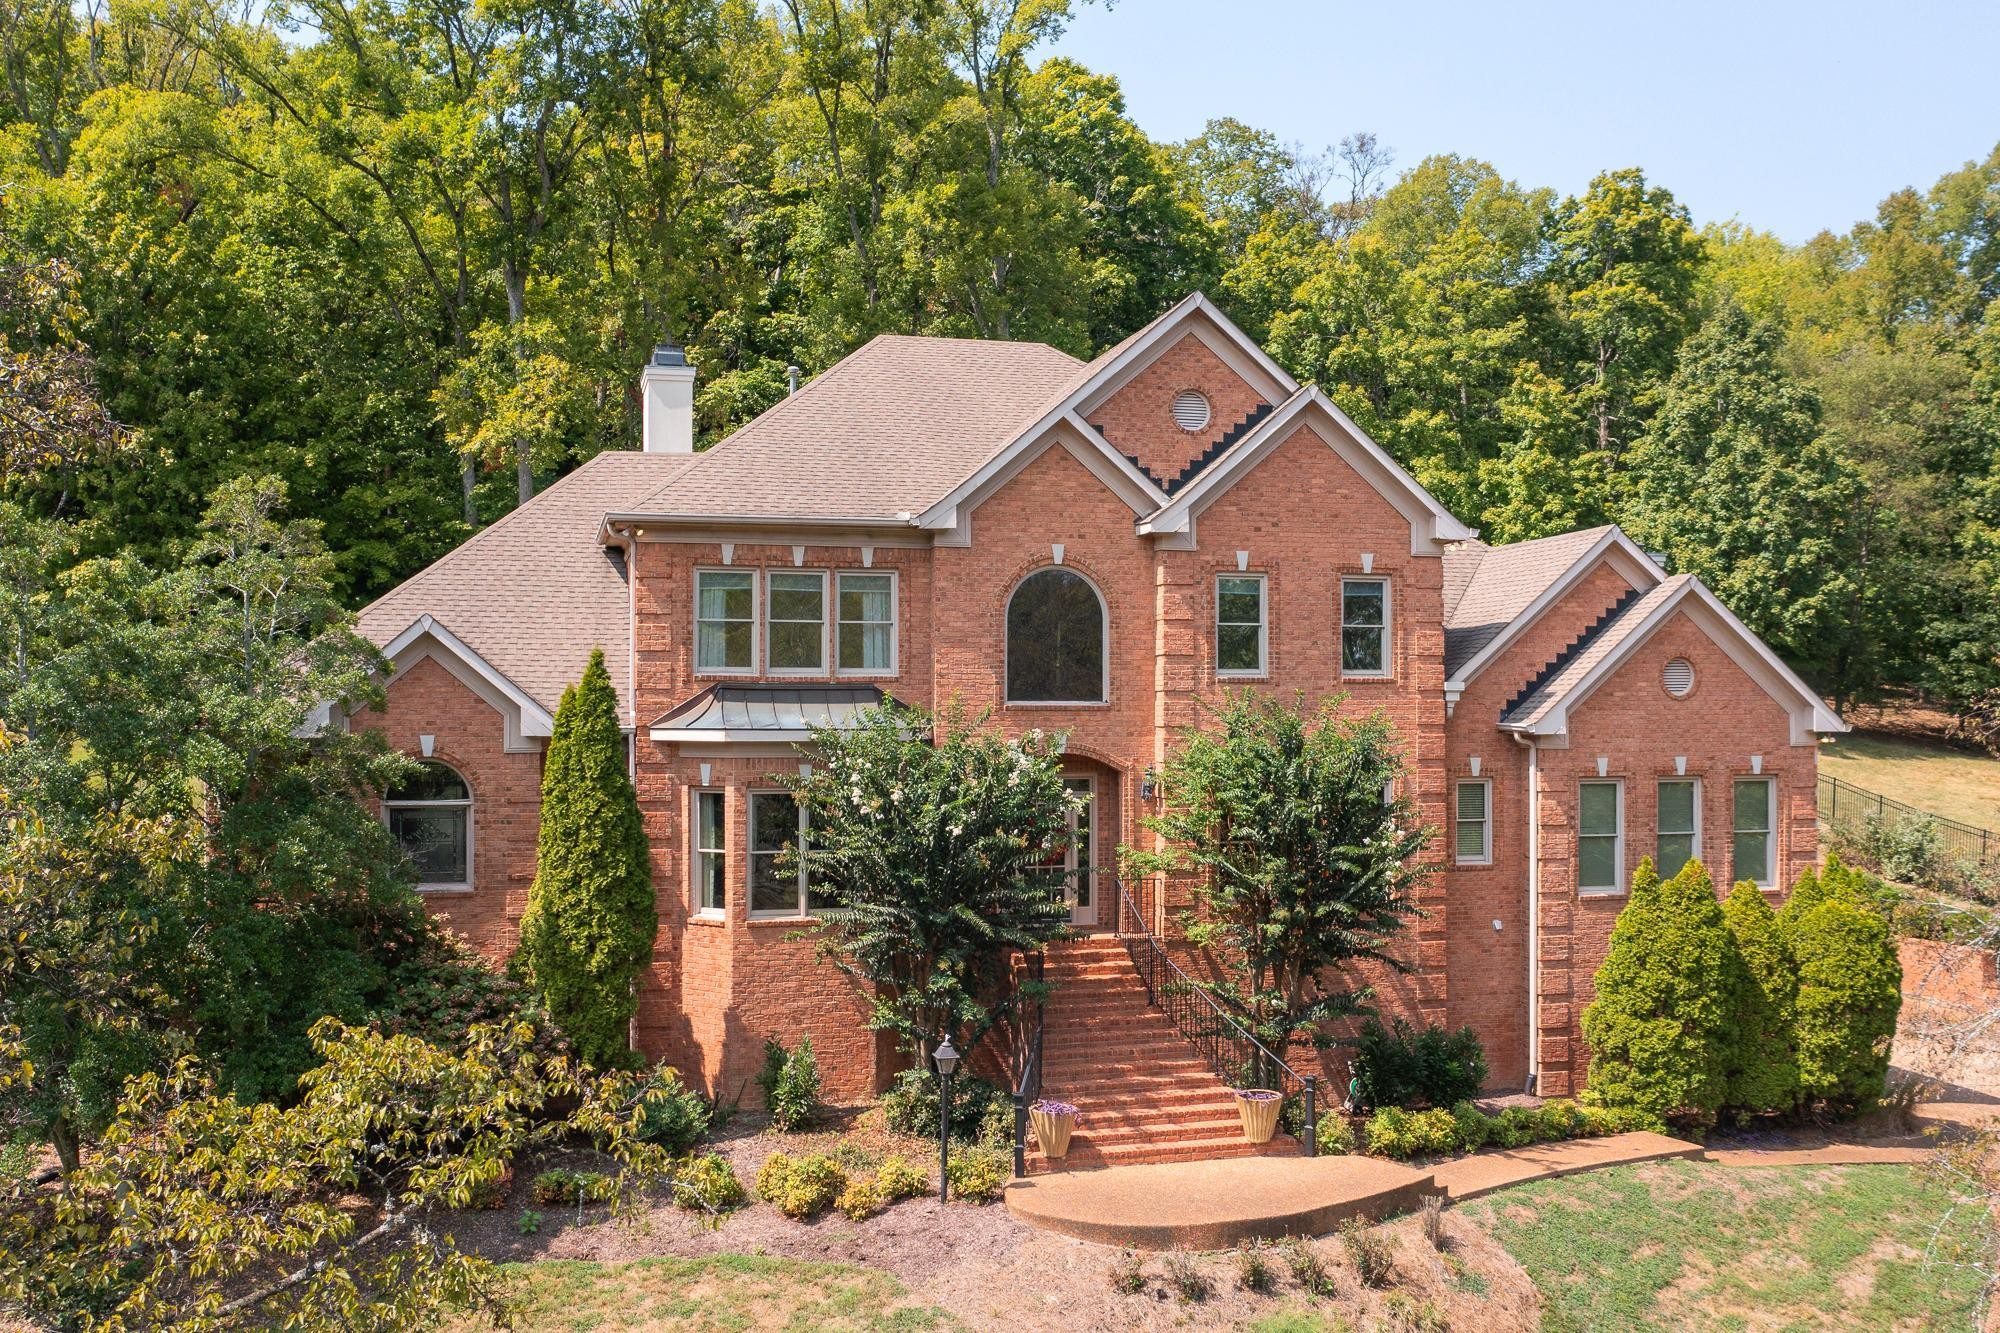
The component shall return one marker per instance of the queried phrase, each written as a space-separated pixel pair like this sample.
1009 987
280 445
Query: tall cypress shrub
1850 992
1663 1020
1764 1066
591 917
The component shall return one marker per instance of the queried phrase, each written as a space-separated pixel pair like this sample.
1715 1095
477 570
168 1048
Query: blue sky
1791 117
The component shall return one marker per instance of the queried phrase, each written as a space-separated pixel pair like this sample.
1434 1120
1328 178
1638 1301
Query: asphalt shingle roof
534 593
1486 588
1615 631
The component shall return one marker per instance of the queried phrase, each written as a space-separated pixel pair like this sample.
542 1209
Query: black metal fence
1236 1055
1856 811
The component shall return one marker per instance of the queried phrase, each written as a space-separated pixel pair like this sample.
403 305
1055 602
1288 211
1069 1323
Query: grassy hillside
1944 781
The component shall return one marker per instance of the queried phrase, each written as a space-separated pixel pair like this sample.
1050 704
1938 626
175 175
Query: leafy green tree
1300 866
591 916
931 835
1662 1026
1734 482
1849 994
1764 1067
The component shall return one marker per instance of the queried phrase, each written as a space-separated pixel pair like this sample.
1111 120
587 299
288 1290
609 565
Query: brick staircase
1142 1092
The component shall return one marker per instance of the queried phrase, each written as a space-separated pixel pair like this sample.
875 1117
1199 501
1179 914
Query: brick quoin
1303 518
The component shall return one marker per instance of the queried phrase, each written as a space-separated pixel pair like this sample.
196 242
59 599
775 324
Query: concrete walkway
1216 1204
1465 1178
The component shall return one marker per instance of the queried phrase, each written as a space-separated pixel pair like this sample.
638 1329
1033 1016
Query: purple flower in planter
1053 1108
1256 1094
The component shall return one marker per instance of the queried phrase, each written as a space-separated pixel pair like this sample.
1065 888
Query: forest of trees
408 255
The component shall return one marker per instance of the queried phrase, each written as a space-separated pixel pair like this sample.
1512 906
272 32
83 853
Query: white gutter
1534 911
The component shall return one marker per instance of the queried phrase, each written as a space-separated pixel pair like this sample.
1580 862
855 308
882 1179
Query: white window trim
1263 667
696 851
825 618
1007 645
1485 857
895 667
1770 830
1388 670
1618 885
797 911
471 842
756 622
1661 782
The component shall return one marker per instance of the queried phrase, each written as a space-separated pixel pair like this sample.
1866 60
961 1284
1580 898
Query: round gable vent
1678 677
1191 410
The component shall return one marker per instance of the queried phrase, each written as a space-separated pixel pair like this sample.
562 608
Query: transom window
1600 838
796 601
867 609
1364 627
1679 821
1751 831
711 846
725 620
1055 640
430 817
1473 840
778 824
1240 633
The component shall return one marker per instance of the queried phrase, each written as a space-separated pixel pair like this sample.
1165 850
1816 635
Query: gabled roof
1430 520
877 437
1545 710
531 595
1492 593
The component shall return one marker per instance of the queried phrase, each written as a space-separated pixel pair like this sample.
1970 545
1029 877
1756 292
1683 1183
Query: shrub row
1703 1008
803 1187
1401 1066
1395 1132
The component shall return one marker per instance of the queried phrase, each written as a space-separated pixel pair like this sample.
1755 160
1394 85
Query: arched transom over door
1056 631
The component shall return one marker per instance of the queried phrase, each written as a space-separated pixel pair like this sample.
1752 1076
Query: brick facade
1302 518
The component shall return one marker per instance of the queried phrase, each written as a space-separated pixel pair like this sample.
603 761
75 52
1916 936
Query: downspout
1534 912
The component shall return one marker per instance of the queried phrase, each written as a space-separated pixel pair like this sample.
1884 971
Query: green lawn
727 1292
1687 1245
1953 783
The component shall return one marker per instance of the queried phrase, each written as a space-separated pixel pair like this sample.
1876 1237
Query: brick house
1094 549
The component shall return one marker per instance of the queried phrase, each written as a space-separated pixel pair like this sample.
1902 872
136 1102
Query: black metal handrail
1231 1049
1030 1086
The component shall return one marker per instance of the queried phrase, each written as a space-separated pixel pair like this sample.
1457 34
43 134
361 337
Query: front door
1078 889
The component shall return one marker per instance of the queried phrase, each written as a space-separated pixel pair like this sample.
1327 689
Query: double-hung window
711 844
866 605
725 620
1751 831
430 816
778 825
1600 838
1473 824
1240 631
1364 627
796 611
1678 837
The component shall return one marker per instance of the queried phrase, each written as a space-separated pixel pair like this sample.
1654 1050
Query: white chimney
666 386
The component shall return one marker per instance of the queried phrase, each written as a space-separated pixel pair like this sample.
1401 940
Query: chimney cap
669 354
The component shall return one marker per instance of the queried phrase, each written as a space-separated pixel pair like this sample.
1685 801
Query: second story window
1364 627
797 629
1752 821
867 608
1239 625
1600 838
430 817
725 620
1055 640
1679 824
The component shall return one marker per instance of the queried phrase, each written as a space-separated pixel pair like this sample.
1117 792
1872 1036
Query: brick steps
1142 1091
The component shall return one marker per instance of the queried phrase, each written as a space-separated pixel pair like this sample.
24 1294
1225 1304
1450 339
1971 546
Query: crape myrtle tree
591 914
1298 864
929 836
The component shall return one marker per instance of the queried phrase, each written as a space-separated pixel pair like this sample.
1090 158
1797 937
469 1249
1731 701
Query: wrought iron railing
1030 1085
1232 1050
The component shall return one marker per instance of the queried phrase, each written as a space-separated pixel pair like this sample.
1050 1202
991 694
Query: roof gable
1494 593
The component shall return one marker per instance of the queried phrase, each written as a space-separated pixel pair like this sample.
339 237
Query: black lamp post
947 1060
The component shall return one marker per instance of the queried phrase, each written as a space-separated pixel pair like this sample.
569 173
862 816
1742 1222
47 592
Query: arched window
430 817
1055 640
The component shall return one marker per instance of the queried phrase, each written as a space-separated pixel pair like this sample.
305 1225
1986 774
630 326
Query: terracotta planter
1054 1122
1259 1108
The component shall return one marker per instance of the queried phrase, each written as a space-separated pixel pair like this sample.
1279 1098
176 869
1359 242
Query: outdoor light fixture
947 1060
1149 786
